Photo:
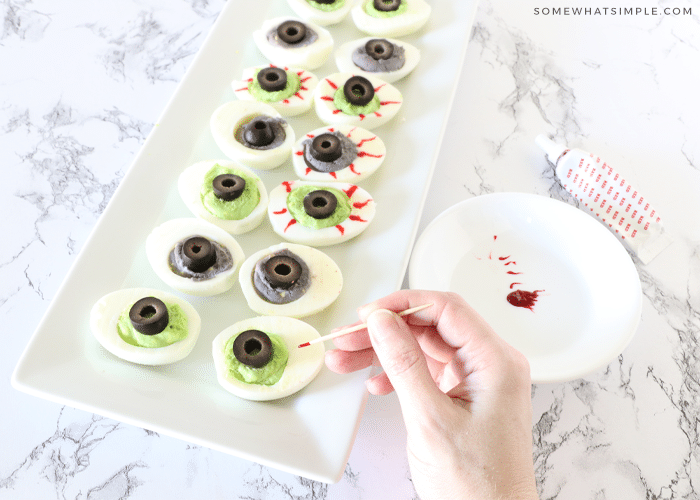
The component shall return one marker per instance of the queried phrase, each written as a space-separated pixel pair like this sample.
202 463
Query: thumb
403 361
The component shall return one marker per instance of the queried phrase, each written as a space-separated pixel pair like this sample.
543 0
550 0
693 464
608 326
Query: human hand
464 394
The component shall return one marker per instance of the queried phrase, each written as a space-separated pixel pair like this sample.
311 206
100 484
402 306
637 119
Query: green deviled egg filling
326 7
341 102
292 87
269 374
237 209
174 332
295 205
372 11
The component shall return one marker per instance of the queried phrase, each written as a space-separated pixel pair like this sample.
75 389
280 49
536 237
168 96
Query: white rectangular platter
310 433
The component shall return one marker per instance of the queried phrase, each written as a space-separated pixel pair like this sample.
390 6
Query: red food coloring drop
513 284
362 204
280 212
288 186
350 191
291 223
333 85
504 258
340 228
514 272
522 298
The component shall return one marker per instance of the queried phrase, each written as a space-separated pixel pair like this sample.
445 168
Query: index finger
454 319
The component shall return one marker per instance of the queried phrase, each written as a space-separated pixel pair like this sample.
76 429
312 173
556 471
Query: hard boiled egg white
165 237
412 19
343 59
103 324
308 57
228 118
302 367
363 210
390 100
299 102
190 184
371 152
325 282
308 10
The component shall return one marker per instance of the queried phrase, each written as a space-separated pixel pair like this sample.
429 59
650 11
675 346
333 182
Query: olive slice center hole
319 202
147 312
358 90
271 77
260 125
252 347
283 269
228 183
196 248
292 31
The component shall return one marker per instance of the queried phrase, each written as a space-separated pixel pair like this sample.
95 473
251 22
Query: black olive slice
258 132
326 147
387 5
327 2
253 348
149 316
291 32
379 48
282 271
272 79
228 187
358 90
198 254
320 204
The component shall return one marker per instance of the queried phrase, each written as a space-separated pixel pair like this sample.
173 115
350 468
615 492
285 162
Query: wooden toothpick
356 328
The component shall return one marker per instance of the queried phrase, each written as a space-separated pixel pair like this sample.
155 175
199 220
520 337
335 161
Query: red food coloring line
286 101
336 111
291 223
352 169
359 144
351 131
377 114
305 344
377 89
514 272
510 262
335 87
350 191
331 129
326 98
299 153
522 298
333 174
283 211
364 153
384 103
310 136
504 258
362 117
249 80
242 88
299 73
513 284
356 218
307 171
288 186
299 96
362 204
340 228
301 87
494 237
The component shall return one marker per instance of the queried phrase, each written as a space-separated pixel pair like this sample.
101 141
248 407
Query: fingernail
380 321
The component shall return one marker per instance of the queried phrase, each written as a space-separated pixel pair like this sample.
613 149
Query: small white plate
589 301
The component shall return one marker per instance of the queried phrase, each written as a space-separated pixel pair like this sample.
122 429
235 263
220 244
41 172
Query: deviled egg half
319 213
228 195
387 58
145 325
287 90
259 359
390 17
290 280
194 256
288 41
252 133
346 98
345 153
322 12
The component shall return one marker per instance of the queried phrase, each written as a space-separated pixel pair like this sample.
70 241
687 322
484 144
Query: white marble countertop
81 85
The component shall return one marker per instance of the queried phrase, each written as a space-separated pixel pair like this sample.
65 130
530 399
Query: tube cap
551 148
